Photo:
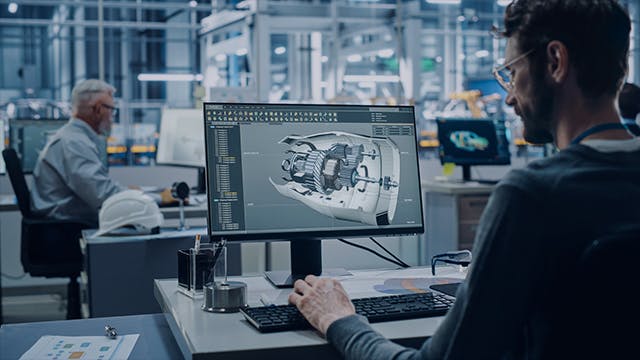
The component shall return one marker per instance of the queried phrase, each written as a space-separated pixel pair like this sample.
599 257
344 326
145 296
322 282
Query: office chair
49 247
601 321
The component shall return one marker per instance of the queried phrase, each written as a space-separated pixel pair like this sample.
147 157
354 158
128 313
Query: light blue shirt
70 179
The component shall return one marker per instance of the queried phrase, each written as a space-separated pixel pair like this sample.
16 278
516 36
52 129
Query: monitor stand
201 187
306 259
466 176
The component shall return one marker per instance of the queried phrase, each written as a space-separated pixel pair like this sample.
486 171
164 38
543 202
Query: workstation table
204 335
155 341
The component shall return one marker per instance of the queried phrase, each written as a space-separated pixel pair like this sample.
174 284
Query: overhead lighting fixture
243 5
444 2
385 53
193 3
324 58
280 50
461 18
13 7
482 54
354 58
371 78
503 2
242 52
169 77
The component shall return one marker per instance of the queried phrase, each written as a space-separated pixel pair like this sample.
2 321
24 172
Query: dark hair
629 101
595 32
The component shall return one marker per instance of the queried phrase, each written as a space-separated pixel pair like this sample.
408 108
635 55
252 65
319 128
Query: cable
372 251
404 264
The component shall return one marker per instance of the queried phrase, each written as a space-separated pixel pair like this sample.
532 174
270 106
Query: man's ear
558 61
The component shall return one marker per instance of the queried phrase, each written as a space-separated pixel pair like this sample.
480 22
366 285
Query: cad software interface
283 168
473 141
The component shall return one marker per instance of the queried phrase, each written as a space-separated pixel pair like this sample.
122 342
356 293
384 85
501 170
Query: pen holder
220 294
194 268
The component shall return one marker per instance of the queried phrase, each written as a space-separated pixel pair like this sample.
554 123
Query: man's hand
321 301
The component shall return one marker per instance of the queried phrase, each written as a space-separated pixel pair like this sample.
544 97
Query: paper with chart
51 347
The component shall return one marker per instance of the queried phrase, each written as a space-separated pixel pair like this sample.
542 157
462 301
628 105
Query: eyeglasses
462 258
114 110
503 74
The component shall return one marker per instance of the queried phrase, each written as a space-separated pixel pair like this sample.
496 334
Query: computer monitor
468 142
28 138
181 141
308 172
2 166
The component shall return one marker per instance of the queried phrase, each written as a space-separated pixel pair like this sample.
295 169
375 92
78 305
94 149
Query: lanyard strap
597 129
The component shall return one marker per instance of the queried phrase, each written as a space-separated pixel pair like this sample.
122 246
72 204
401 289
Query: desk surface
206 335
457 188
155 340
8 202
165 233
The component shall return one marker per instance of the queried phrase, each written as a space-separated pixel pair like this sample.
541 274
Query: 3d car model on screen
468 140
343 175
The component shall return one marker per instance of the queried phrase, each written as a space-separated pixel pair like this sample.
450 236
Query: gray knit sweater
538 221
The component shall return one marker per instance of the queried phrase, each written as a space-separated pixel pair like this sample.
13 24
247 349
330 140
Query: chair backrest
604 313
18 182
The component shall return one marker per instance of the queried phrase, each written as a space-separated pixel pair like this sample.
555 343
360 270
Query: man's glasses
462 258
114 110
503 74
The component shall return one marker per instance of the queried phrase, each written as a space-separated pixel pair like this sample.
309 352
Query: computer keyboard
375 309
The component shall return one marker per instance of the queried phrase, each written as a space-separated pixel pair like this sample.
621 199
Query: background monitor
181 141
28 138
2 139
300 172
469 142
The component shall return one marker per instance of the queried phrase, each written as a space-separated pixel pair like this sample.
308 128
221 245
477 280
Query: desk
118 272
204 335
452 214
8 203
155 341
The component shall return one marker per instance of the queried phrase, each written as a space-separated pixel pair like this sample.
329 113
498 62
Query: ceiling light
13 7
482 53
280 50
354 58
371 78
242 5
444 2
324 58
193 3
461 18
169 77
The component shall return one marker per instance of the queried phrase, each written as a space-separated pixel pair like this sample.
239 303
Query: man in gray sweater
565 65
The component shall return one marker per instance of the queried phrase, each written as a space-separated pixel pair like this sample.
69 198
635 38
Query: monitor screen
181 139
473 142
2 167
286 171
28 138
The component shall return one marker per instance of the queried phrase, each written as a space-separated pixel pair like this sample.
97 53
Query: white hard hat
129 208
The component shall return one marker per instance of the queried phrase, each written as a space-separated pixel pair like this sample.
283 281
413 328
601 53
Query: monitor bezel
480 162
312 235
